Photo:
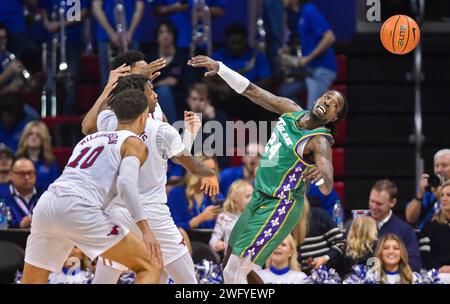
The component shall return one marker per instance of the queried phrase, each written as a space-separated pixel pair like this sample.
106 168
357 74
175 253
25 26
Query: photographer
426 202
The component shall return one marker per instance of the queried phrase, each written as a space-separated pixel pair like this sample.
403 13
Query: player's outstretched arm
89 123
209 181
321 148
243 86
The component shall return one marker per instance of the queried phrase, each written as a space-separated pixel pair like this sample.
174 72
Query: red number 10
89 160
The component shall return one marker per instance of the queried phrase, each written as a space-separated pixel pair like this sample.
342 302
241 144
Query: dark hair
3 27
386 185
236 29
171 27
129 58
13 105
133 81
129 104
340 116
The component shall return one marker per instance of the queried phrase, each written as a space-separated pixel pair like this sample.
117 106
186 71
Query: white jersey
92 170
273 276
163 142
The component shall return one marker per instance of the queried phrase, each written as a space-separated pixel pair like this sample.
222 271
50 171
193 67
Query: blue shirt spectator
46 174
228 176
430 206
311 28
179 12
181 215
74 31
11 14
108 9
12 120
20 206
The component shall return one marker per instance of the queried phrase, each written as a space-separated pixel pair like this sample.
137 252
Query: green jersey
281 167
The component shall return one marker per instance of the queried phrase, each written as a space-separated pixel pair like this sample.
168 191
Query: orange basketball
400 34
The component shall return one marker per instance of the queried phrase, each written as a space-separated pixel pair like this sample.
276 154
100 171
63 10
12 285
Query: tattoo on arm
269 101
323 159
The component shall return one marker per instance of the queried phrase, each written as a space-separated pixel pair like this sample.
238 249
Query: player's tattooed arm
321 149
269 101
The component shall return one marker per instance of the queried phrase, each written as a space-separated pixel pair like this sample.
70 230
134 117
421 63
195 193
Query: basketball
400 34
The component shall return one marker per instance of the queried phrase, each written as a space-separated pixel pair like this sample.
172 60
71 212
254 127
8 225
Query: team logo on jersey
114 230
182 243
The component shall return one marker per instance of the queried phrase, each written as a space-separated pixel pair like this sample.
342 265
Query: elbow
330 37
86 129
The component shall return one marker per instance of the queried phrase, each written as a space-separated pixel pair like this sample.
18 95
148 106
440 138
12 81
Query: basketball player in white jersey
163 142
72 211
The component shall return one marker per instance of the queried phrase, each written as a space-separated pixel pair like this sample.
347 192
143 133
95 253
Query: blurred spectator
383 198
318 58
169 84
21 196
392 266
74 47
179 13
435 245
12 15
6 160
35 143
273 16
239 194
247 171
282 266
361 243
189 206
426 202
318 199
74 270
12 120
199 101
324 242
106 33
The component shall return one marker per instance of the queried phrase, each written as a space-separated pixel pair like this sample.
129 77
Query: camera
218 202
434 181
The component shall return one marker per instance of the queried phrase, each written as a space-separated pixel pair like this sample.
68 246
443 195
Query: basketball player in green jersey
299 150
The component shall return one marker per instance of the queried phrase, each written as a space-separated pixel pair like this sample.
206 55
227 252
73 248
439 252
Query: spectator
106 33
426 202
189 206
435 246
12 120
12 16
324 242
239 194
392 266
74 31
169 84
361 243
35 143
317 199
383 198
179 13
21 196
247 171
74 271
282 267
6 160
199 101
273 16
318 58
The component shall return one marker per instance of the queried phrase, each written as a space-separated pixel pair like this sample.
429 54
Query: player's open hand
209 185
153 247
115 74
192 122
152 70
312 175
201 61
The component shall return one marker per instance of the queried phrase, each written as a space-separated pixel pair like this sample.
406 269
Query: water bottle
3 215
338 215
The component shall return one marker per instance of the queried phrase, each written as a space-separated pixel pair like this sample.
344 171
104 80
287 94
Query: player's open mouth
321 110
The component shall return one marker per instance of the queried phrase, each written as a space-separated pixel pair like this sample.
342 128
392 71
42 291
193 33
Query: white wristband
235 80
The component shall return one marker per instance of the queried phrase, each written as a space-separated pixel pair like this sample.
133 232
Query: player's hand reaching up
209 185
204 62
152 70
114 76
